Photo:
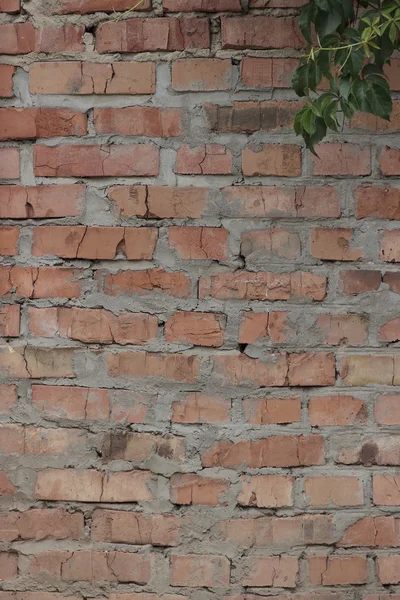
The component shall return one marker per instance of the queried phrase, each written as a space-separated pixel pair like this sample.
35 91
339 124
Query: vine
349 42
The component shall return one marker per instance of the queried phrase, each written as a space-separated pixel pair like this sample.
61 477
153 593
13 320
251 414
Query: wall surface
200 368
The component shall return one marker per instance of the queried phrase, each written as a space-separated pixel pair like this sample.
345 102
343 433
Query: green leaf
373 96
393 33
327 22
307 15
309 122
324 63
320 132
306 77
344 87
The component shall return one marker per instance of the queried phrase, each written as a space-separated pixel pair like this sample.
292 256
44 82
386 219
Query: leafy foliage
349 43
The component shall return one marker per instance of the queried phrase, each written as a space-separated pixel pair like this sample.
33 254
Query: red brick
35 596
268 411
196 570
9 319
8 398
202 74
342 329
333 491
8 566
41 202
201 408
271 571
372 123
176 367
372 531
41 524
390 331
79 485
239 369
6 487
342 411
189 488
276 3
96 161
9 240
12 439
390 246
389 161
81 78
122 527
155 35
199 243
393 281
377 202
249 116
246 285
138 120
273 326
95 242
91 6
10 6
387 410
92 565
28 362
210 159
9 163
262 159
202 5
342 159
159 201
337 570
267 72
269 201
199 329
71 402
260 32
281 532
266 491
93 325
386 489
147 282
40 282
54 441
6 81
388 569
360 281
311 369
31 123
275 451
23 38
269 243
334 244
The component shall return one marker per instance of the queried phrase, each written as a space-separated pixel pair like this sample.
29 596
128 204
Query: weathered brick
337 570
6 81
372 531
81 78
138 120
201 408
342 159
40 282
196 570
9 163
246 285
189 488
23 38
275 451
147 282
271 571
284 161
41 524
202 5
251 116
155 35
341 411
377 202
266 491
10 6
199 329
176 367
266 411
269 243
333 491
390 246
387 409
91 6
202 74
210 159
41 202
334 244
158 202
260 32
124 527
9 240
31 123
96 161
199 243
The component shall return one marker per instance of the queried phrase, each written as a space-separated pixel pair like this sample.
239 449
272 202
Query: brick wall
199 364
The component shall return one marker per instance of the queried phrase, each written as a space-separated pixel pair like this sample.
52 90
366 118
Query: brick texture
199 320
